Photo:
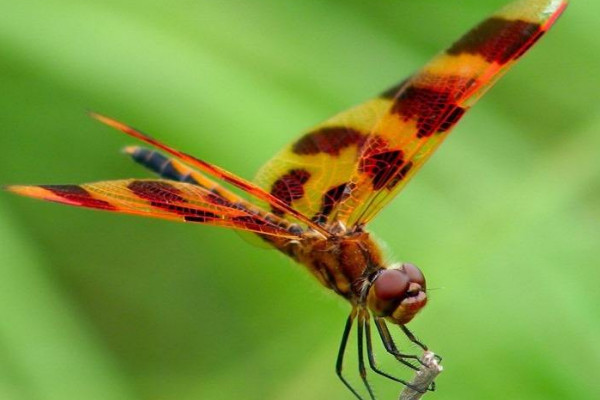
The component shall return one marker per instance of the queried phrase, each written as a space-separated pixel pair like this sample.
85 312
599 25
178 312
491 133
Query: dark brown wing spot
452 116
527 46
289 187
497 39
382 166
156 191
330 199
200 216
167 197
432 107
400 175
78 195
330 140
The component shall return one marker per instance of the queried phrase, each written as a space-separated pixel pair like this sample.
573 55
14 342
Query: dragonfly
314 199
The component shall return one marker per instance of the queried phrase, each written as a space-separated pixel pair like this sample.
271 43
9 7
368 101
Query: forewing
163 199
312 173
422 111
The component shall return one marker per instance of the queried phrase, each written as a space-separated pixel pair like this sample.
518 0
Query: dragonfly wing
422 111
163 199
212 170
311 173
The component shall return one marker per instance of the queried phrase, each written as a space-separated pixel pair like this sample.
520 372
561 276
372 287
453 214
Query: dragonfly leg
371 357
340 358
412 337
361 361
390 346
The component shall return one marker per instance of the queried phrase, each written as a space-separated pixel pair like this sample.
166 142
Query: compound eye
391 284
414 274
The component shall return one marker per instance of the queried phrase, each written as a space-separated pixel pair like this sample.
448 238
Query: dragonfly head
397 293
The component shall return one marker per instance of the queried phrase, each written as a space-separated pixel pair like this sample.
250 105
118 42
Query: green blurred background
505 220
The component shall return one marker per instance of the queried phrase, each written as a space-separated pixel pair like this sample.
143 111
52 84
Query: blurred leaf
50 349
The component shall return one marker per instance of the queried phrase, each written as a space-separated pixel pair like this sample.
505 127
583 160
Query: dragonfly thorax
352 266
342 263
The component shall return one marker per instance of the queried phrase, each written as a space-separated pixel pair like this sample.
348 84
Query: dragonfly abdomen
159 164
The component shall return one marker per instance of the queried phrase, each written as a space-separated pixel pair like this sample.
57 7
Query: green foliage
504 220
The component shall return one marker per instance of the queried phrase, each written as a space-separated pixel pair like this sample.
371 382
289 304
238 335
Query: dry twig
424 377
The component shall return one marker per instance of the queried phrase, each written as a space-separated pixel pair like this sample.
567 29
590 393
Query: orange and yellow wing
254 191
163 199
348 168
423 110
311 174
